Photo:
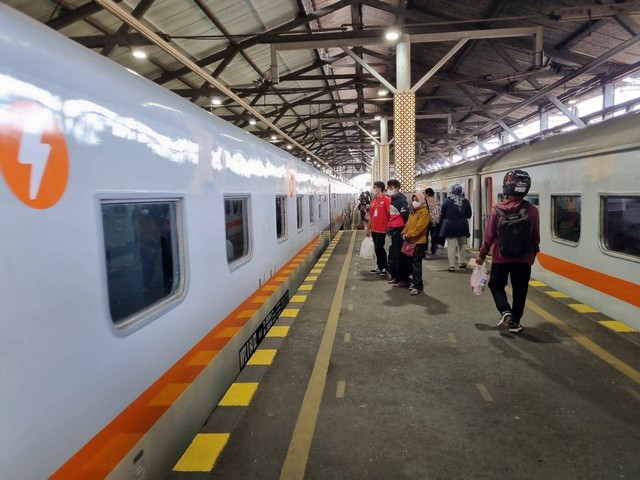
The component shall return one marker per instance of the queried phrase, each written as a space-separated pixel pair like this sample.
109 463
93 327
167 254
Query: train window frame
312 207
247 220
285 223
134 322
300 212
552 213
602 196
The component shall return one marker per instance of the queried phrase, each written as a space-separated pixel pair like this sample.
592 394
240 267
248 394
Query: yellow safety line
203 452
597 350
295 463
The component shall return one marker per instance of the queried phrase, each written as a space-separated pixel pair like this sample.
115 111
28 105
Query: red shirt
379 214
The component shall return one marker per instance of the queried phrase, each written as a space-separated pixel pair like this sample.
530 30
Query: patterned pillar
404 130
384 162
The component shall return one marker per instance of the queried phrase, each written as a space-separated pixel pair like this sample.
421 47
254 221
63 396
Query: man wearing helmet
513 237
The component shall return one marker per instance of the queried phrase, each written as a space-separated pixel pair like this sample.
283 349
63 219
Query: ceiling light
374 132
216 101
392 34
139 54
373 143
573 101
382 92
274 137
378 117
308 158
252 121
289 146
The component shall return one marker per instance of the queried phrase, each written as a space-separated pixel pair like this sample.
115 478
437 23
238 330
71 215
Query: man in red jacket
513 248
378 222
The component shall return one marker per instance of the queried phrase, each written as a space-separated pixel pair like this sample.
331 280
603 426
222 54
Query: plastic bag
367 250
479 279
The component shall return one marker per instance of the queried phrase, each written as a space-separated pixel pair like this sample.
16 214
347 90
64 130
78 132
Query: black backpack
514 231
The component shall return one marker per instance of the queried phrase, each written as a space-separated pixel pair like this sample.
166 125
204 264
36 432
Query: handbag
408 248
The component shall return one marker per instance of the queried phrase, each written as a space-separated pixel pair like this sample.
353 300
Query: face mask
416 205
391 192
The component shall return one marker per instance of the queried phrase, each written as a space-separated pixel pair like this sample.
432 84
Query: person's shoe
462 265
505 319
392 281
452 269
376 270
402 284
515 327
414 291
384 272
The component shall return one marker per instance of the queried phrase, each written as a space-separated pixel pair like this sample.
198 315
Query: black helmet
516 183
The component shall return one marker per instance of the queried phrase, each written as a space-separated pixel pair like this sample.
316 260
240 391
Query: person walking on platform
377 228
415 231
398 213
513 237
455 213
434 219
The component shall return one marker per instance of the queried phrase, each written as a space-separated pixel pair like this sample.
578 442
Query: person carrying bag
415 233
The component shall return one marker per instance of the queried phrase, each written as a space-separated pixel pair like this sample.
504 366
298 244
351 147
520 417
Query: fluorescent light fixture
378 117
289 146
274 137
139 54
308 158
373 143
252 121
382 92
392 34
374 132
573 101
216 101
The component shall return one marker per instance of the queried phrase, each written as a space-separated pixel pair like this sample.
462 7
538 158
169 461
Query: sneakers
377 270
515 327
402 284
384 272
414 291
393 281
505 319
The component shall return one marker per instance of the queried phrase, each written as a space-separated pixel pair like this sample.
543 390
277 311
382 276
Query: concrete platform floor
427 387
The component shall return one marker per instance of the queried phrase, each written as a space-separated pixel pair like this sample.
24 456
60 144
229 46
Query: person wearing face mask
377 227
399 267
415 231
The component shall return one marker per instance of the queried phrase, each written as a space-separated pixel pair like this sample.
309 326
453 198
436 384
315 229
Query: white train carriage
134 226
586 186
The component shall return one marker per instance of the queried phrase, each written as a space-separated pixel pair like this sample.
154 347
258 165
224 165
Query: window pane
141 250
312 207
566 217
237 227
622 224
281 217
299 210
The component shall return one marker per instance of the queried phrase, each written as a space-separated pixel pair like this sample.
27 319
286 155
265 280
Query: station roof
321 97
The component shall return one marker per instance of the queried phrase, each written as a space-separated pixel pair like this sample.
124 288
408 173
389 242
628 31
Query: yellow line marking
298 299
311 278
347 337
484 392
278 332
594 348
203 452
305 288
340 389
617 326
582 308
537 283
295 462
239 394
262 357
632 392
350 306
452 338
316 270
556 294
290 312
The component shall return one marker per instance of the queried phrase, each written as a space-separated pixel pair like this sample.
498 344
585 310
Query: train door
471 195
487 201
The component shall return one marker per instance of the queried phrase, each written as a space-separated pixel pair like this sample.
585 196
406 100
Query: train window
299 211
142 255
566 217
621 224
238 239
281 216
312 207
320 202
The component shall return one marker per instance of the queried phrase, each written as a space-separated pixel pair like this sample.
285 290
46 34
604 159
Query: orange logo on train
33 154
292 185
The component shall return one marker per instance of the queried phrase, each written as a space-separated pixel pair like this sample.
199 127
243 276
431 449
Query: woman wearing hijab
415 231
454 216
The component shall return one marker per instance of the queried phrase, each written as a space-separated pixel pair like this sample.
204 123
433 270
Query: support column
404 118
383 171
375 166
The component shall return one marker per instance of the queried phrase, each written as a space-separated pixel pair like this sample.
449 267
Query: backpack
514 232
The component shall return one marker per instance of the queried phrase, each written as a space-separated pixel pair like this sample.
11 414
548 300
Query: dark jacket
399 211
490 243
454 219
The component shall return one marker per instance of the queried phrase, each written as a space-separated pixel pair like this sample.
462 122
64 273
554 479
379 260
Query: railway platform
358 379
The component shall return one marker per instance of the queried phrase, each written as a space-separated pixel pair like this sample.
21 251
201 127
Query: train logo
33 154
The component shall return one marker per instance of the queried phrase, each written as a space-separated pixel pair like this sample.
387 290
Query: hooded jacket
415 231
490 243
399 211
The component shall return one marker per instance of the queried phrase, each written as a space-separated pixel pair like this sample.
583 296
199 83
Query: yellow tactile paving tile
582 308
311 278
278 332
617 326
203 452
556 294
290 312
262 357
298 299
305 288
537 283
202 357
316 270
168 394
239 394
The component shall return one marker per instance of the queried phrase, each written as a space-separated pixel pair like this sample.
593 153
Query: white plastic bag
479 279
367 250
